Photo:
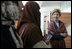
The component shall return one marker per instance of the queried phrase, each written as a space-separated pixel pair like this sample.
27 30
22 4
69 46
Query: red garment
32 35
31 16
61 29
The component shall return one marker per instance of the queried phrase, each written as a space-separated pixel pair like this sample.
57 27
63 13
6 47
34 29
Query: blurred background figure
9 36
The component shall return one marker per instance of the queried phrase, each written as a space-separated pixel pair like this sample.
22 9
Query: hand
51 32
48 38
63 34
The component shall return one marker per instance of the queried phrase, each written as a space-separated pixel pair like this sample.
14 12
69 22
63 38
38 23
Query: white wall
66 6
69 29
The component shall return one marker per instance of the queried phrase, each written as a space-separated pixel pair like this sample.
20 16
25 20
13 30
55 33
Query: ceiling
52 3
45 2
49 3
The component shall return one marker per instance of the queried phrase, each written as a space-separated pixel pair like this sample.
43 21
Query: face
56 16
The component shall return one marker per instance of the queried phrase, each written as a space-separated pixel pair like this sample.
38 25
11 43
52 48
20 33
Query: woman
9 36
29 27
57 29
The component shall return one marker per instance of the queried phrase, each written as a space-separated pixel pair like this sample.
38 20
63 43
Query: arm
64 34
56 36
47 38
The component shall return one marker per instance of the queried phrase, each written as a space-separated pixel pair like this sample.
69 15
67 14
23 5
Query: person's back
29 25
31 35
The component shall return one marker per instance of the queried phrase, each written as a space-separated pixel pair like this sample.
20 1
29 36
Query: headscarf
31 14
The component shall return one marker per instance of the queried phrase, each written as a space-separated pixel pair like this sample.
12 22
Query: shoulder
29 27
34 27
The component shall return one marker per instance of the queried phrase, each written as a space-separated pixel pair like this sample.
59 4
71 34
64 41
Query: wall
68 42
69 29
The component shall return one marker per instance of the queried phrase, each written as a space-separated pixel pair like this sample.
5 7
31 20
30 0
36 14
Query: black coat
6 38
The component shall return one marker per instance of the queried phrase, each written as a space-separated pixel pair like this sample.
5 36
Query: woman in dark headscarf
29 23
